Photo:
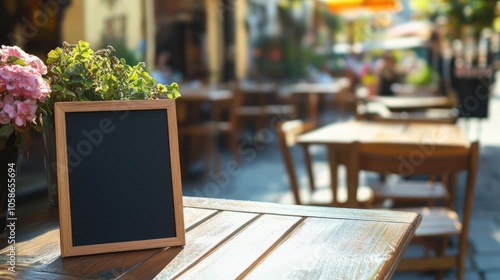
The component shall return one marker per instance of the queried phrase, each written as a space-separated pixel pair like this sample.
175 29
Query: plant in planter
22 90
78 73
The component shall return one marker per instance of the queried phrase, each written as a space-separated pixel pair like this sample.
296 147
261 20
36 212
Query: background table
202 116
310 98
229 239
399 104
341 135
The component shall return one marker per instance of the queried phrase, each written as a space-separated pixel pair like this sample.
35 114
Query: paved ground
262 178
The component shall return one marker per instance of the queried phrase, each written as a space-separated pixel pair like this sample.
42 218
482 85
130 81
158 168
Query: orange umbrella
354 8
341 6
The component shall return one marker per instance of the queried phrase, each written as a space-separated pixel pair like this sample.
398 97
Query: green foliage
479 14
77 73
421 76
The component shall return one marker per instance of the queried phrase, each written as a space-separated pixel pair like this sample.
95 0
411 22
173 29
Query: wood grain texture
26 274
234 239
322 247
303 211
200 241
194 216
239 253
115 105
40 250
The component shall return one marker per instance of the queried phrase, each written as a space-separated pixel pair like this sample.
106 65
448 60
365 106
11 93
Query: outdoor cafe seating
209 114
439 223
427 157
288 133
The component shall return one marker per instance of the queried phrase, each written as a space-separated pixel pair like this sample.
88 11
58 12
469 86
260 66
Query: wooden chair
288 133
201 136
439 223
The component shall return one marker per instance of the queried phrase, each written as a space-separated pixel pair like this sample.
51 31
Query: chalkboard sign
118 175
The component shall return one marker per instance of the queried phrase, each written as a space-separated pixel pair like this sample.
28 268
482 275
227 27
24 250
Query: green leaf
54 55
70 93
16 60
6 130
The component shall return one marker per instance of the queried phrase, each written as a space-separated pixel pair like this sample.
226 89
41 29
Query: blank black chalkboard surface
118 176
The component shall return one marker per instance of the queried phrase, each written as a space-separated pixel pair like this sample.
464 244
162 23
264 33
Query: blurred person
324 76
162 74
355 68
435 60
387 75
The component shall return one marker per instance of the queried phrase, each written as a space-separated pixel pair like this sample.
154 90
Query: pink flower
13 51
21 111
24 82
21 86
25 112
32 61
37 64
7 100
4 117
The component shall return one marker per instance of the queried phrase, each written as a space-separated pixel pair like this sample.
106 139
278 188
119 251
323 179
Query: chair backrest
405 159
288 132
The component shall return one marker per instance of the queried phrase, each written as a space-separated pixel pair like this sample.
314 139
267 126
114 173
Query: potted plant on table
78 73
22 91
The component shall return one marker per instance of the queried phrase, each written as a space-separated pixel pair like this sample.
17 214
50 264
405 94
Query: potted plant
22 90
78 73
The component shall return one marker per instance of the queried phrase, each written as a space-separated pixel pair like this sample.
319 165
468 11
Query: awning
341 6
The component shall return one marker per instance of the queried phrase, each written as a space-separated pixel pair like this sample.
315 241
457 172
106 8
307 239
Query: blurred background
281 40
215 42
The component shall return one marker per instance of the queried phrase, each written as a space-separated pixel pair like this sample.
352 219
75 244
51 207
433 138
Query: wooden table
399 104
192 98
232 239
309 96
200 113
341 135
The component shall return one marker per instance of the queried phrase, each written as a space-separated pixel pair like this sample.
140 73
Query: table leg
308 161
332 160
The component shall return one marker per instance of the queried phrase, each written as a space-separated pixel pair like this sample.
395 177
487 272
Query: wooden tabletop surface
407 133
228 239
398 103
204 94
318 88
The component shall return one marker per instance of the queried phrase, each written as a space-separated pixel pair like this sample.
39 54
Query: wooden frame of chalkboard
119 182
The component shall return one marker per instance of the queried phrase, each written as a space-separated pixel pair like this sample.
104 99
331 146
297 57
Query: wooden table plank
303 211
28 274
200 241
407 133
243 250
195 216
42 252
232 239
326 244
